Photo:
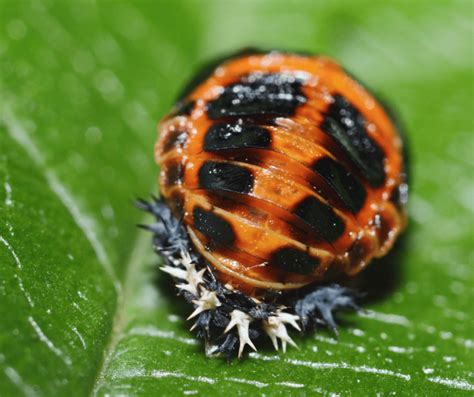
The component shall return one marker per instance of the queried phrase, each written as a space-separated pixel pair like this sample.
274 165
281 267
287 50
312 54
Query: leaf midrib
140 247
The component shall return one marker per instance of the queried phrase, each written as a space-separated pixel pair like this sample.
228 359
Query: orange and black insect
283 172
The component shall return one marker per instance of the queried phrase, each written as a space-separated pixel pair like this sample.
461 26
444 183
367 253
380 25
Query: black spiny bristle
323 302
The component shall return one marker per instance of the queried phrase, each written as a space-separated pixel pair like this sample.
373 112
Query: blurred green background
83 310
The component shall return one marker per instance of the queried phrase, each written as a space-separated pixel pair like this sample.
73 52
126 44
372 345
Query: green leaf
83 308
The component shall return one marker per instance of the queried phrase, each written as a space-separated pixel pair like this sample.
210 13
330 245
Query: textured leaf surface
83 309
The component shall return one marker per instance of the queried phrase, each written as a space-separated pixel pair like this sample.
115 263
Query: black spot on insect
174 140
206 71
394 118
384 224
346 185
399 195
321 218
347 126
224 176
294 261
277 94
213 226
183 108
176 203
174 174
359 250
236 136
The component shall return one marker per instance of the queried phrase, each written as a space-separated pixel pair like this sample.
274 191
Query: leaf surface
83 308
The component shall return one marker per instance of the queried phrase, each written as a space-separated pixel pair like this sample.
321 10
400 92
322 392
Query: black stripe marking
174 140
346 185
236 136
213 226
259 94
174 174
294 261
183 108
224 176
346 125
321 218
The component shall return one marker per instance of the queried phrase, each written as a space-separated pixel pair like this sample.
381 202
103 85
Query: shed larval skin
284 170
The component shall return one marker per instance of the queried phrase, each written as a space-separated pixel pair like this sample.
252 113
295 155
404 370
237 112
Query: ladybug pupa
279 176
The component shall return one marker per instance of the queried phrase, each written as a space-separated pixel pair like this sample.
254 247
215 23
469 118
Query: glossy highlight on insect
279 173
